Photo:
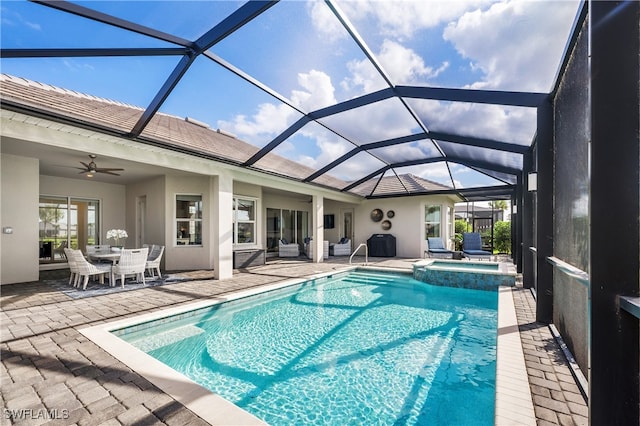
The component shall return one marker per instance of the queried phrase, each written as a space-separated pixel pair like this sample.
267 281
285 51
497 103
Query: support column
318 228
516 226
544 213
527 217
222 226
614 382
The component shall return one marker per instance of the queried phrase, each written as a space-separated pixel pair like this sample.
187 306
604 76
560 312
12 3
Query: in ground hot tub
465 274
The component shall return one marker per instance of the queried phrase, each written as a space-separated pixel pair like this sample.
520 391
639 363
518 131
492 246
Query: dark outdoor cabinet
382 245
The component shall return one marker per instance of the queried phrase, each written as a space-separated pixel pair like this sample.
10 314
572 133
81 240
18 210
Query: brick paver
53 370
557 399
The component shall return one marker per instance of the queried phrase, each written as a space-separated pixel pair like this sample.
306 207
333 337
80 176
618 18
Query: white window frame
424 219
254 221
177 219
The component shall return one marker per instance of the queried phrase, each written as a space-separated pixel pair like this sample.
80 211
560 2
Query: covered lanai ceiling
377 98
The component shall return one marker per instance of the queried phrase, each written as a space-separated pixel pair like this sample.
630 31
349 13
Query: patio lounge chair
472 246
341 248
435 248
286 249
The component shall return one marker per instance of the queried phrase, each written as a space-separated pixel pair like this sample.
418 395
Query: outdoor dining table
113 257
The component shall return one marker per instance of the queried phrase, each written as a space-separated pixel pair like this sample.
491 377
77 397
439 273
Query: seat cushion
435 243
477 252
439 250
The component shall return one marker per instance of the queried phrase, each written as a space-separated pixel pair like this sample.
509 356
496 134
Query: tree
49 215
502 236
499 204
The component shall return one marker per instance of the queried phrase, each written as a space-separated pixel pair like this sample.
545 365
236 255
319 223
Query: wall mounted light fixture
532 181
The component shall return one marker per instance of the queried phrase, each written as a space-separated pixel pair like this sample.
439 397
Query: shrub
460 227
502 236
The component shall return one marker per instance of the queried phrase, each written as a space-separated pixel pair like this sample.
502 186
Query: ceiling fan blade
86 166
107 172
108 169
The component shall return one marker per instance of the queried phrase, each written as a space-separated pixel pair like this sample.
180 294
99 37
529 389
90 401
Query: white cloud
404 65
319 91
496 122
268 121
499 42
402 19
325 22
363 78
271 120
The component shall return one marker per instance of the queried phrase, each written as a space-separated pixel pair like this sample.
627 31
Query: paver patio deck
52 374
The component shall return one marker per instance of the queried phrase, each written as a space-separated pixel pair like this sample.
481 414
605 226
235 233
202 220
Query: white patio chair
73 268
86 269
132 262
153 260
286 249
341 248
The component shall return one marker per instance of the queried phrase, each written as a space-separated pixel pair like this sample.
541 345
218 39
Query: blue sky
300 50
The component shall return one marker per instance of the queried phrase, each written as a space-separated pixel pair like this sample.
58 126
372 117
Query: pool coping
513 398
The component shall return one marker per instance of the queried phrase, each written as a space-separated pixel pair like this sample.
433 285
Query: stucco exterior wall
187 257
407 224
152 192
19 250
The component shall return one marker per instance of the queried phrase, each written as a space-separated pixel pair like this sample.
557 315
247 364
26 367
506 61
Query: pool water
355 348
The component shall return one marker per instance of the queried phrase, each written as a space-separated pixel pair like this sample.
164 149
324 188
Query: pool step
366 278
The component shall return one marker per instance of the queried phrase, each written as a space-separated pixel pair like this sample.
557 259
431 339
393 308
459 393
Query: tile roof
184 134
167 130
400 185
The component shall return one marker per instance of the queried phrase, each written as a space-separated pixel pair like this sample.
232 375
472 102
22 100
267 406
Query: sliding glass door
291 225
66 222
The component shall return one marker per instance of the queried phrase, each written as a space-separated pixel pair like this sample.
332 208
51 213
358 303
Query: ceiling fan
92 168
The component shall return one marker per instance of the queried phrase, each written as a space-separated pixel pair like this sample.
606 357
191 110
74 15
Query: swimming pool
354 347
464 274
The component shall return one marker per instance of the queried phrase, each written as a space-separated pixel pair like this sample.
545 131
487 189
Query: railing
366 253
581 276
629 304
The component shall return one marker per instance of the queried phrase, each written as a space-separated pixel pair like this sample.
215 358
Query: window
244 221
188 219
432 221
67 222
